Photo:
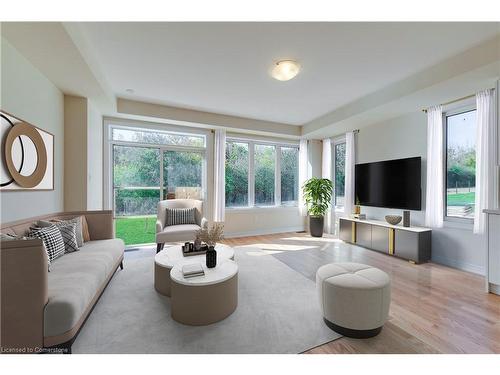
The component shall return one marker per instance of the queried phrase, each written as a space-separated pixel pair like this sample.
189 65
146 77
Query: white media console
493 253
412 243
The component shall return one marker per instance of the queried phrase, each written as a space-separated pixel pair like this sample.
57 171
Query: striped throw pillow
178 216
52 241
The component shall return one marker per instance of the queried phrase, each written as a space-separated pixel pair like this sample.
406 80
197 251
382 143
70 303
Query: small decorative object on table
359 216
192 270
406 218
357 207
197 243
211 236
189 249
393 219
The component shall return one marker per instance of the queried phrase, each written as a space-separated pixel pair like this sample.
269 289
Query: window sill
458 223
255 209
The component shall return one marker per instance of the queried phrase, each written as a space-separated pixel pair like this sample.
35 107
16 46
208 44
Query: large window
236 174
150 165
289 175
156 137
146 165
339 171
265 159
261 174
460 164
182 175
136 180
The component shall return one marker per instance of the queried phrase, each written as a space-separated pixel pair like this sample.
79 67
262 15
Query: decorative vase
211 257
357 209
406 218
316 226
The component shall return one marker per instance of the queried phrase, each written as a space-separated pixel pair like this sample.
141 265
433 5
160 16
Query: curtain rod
454 101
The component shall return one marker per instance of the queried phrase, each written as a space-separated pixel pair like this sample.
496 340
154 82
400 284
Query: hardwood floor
434 309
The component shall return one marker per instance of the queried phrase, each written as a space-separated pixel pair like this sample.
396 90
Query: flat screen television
390 184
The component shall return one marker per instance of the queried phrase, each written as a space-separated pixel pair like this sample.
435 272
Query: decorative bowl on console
393 219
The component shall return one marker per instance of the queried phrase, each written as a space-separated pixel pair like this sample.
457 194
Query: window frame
108 143
335 142
458 108
251 172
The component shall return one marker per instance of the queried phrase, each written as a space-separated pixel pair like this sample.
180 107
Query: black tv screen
390 184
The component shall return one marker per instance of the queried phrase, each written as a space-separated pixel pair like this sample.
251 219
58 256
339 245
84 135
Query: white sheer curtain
302 174
220 175
350 161
326 172
485 157
434 196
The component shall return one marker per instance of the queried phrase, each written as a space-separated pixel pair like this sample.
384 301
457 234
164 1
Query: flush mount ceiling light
285 70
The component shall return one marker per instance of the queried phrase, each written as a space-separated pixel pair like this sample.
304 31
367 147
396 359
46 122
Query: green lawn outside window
136 230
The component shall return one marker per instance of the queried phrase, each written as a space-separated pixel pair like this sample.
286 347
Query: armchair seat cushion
174 233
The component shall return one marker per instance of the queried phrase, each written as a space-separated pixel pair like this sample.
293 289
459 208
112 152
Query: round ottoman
354 298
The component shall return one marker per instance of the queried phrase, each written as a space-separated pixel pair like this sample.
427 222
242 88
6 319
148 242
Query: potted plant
317 196
211 236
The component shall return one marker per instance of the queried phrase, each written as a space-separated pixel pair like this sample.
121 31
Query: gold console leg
391 240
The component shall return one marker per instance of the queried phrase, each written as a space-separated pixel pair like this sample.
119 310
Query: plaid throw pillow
68 233
178 216
52 240
79 227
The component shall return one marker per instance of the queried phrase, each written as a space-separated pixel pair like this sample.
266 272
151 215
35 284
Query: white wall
27 94
454 245
94 158
257 221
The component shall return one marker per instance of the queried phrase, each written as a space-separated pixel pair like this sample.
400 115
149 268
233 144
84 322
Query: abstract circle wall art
27 156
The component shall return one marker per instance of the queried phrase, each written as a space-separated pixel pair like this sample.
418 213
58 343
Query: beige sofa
176 233
41 309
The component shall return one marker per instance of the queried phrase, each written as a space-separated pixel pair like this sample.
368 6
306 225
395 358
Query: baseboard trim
455 263
259 232
495 289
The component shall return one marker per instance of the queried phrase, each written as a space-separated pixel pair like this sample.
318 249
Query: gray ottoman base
353 333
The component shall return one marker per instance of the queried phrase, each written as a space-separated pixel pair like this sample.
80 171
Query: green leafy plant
317 195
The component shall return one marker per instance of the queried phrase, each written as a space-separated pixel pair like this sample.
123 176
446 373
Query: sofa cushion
75 279
174 233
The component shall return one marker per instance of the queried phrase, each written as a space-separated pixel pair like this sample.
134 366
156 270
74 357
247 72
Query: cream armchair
175 233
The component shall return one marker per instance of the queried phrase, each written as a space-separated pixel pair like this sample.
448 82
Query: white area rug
277 312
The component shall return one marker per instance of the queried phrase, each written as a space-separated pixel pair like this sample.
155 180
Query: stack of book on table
192 270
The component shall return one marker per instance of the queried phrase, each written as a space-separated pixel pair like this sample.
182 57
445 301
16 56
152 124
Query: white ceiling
224 67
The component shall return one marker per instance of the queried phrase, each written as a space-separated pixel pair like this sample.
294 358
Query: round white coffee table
204 299
172 255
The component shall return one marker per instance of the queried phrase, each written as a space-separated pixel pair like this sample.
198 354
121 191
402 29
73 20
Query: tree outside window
461 164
